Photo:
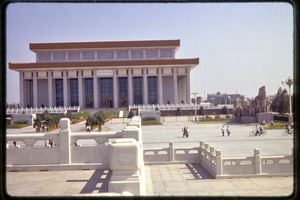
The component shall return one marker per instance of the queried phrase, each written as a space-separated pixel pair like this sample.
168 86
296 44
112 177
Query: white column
145 87
95 89
65 85
160 87
130 88
80 89
115 88
50 91
35 93
188 85
22 86
175 85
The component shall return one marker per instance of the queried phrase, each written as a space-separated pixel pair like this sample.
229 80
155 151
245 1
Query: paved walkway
161 180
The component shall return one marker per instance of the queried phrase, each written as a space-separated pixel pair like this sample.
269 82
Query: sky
241 46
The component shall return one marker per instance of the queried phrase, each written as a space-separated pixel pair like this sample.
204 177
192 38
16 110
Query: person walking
228 130
223 130
89 128
51 143
257 131
261 128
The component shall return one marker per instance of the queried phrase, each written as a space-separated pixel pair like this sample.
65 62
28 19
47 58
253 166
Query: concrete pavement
161 180
167 180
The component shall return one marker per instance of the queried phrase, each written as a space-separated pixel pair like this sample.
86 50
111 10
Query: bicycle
253 132
285 132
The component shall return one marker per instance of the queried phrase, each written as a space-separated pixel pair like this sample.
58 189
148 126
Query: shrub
178 112
149 119
208 117
214 113
153 122
156 109
16 126
228 116
201 110
217 117
130 114
21 122
225 110
109 114
191 114
167 114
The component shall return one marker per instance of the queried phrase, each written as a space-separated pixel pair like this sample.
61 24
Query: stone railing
219 167
162 107
123 156
40 110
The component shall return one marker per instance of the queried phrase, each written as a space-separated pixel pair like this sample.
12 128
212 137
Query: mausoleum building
105 74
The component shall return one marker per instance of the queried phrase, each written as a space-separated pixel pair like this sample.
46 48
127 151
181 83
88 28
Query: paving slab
209 187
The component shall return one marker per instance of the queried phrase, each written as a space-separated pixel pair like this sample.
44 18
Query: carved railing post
64 141
257 161
201 152
171 151
219 165
126 166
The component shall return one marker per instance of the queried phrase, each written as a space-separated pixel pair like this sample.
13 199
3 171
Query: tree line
280 103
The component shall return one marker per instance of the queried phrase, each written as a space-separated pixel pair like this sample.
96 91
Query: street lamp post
195 93
289 82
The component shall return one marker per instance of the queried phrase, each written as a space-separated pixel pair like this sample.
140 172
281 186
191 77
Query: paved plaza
167 180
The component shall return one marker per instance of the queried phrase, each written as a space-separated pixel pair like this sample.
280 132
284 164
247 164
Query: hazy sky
241 46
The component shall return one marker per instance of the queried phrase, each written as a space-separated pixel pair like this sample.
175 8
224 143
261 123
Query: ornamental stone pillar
64 141
125 164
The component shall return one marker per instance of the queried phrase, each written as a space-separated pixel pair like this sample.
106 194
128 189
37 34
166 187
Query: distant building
218 98
198 100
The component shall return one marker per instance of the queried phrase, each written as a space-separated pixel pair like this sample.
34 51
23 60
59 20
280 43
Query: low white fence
123 155
40 110
219 167
181 106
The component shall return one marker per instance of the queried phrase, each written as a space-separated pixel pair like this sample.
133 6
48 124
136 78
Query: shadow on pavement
198 172
98 181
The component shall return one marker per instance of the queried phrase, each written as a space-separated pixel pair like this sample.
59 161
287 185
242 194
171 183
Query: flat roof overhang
104 45
193 62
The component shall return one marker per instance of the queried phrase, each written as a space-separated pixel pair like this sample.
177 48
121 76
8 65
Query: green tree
225 110
69 115
178 112
276 102
284 103
201 110
37 122
281 102
99 118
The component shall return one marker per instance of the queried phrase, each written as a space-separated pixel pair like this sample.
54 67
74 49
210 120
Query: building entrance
106 92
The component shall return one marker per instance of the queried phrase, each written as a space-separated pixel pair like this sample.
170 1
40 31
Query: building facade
105 74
